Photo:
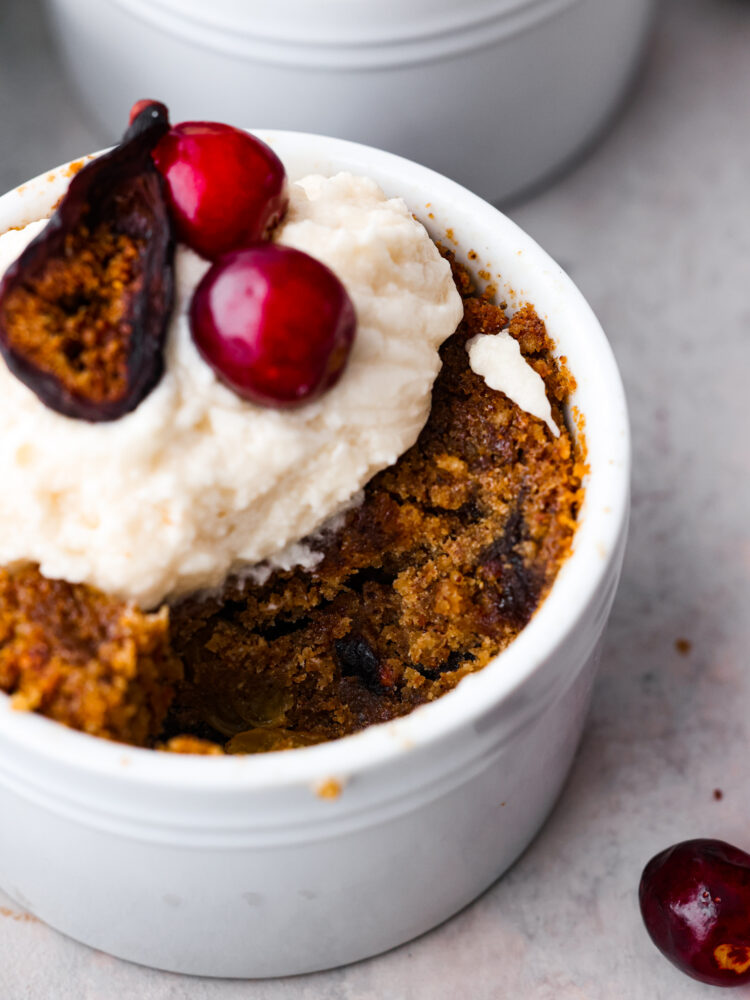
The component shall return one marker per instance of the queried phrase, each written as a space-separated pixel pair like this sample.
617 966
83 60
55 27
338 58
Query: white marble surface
654 225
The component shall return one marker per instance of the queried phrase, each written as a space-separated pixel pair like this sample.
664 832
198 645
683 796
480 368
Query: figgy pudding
212 571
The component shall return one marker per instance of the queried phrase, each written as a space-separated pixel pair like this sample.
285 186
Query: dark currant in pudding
695 902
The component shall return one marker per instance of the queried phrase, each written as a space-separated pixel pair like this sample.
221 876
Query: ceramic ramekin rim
599 536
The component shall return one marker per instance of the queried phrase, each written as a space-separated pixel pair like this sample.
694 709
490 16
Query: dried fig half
84 309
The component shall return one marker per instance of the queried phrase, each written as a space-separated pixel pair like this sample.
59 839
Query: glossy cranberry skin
275 324
695 902
226 188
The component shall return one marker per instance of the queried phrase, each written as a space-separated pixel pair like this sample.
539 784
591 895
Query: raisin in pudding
274 468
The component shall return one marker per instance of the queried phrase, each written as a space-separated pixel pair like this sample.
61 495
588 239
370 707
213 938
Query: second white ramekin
307 859
494 93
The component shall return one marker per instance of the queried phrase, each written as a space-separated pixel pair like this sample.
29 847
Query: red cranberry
226 188
695 902
274 323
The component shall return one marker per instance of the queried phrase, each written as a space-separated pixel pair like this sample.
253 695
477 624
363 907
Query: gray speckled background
654 225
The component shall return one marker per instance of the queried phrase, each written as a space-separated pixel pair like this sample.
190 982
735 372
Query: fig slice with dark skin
84 310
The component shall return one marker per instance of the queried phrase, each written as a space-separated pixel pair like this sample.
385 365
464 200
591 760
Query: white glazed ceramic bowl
494 93
306 859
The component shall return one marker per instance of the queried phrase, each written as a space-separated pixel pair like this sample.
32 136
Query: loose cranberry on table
226 188
695 902
275 324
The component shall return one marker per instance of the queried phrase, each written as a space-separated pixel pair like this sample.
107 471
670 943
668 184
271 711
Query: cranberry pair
275 324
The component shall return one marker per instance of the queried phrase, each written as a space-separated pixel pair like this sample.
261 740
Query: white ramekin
494 93
306 859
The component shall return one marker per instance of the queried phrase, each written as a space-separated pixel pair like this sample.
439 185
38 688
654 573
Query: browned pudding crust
437 570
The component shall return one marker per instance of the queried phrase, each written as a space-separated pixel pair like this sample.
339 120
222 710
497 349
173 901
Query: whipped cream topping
498 359
196 482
